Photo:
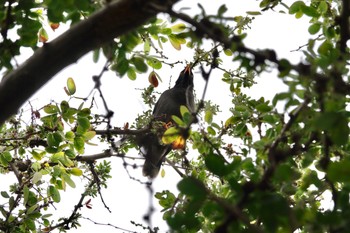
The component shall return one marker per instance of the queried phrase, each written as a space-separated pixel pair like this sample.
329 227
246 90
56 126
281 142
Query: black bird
168 104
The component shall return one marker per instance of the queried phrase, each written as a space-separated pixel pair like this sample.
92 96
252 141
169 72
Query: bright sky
127 199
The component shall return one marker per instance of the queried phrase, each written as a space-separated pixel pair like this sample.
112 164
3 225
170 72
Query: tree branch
344 26
117 18
94 157
123 131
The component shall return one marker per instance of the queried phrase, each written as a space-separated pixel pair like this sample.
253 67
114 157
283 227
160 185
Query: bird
167 105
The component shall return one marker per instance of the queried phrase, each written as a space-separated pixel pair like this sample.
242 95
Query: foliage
264 169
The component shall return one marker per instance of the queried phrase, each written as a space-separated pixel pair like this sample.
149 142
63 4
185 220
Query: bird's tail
150 170
154 154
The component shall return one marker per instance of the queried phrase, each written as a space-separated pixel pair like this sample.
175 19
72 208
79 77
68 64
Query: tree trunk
117 18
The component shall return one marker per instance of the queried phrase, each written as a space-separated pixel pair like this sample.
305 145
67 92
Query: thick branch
114 20
94 157
123 131
344 25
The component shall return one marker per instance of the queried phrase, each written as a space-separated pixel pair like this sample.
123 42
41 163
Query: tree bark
117 18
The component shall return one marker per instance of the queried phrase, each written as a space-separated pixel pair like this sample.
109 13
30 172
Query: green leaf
25 194
89 135
336 125
285 173
79 144
55 158
280 96
96 55
4 194
166 199
69 135
208 117
36 177
325 48
71 86
228 52
76 171
84 123
170 135
299 14
178 120
70 153
147 46
296 6
309 11
178 27
323 7
54 193
7 156
32 209
139 64
211 130
122 66
30 224
216 164
51 109
314 28
263 108
154 63
192 187
66 178
184 110
131 74
176 41
54 139
222 9
253 13
339 171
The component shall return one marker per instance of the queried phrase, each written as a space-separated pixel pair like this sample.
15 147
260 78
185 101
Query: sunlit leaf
89 135
208 117
253 13
178 27
228 52
170 135
76 171
36 177
66 178
51 109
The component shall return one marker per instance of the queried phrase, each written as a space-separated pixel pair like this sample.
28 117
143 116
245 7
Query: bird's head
185 78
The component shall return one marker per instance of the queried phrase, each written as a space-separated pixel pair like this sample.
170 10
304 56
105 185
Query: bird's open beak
188 69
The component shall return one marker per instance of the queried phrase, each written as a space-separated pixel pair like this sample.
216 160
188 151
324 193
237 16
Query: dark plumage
168 104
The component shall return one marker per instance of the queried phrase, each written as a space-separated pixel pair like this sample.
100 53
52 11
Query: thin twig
98 183
108 224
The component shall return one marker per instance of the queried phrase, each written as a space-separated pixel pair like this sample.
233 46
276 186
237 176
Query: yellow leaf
175 43
89 135
184 110
71 86
162 173
76 171
170 135
178 27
